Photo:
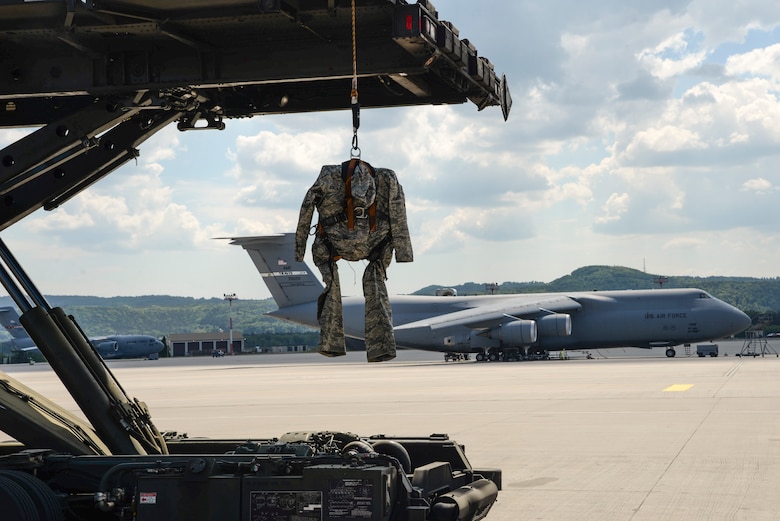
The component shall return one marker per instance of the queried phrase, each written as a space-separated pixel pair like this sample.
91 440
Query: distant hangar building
204 344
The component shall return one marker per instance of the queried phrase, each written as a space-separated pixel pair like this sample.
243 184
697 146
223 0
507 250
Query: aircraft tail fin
9 319
290 282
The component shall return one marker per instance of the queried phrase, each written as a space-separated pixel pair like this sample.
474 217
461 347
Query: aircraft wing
492 314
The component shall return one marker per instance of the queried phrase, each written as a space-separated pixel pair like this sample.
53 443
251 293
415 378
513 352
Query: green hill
162 315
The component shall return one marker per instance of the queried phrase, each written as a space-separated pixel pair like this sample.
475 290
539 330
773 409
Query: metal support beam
72 166
37 422
237 53
59 141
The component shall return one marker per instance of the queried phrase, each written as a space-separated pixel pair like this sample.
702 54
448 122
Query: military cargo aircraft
505 327
109 347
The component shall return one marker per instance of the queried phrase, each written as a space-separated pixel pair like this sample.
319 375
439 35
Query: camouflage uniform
335 239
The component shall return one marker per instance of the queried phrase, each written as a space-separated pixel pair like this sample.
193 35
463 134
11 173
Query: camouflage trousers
380 341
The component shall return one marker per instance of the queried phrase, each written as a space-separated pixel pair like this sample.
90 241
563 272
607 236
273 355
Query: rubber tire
46 502
15 502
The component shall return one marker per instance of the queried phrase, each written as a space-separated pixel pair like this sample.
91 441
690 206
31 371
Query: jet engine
107 347
556 324
517 333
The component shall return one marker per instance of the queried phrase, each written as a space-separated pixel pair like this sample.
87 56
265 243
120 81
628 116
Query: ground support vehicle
99 78
300 475
703 350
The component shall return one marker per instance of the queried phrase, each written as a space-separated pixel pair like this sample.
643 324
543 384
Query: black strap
333 219
379 249
339 217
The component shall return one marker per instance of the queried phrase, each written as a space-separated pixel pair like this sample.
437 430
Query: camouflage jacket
327 195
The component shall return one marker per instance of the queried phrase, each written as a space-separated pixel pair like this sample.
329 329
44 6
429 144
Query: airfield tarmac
633 437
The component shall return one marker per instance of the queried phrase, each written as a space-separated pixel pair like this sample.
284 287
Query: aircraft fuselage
127 346
630 318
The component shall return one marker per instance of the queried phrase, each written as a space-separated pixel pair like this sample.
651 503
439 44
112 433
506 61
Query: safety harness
351 210
359 203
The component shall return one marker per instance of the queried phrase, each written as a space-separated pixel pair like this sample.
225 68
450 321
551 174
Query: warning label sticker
285 505
350 499
147 498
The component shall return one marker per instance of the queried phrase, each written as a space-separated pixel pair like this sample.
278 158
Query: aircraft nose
742 320
734 320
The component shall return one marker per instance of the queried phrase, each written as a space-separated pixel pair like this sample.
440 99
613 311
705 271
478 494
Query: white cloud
671 57
665 139
164 146
680 243
758 185
764 63
616 205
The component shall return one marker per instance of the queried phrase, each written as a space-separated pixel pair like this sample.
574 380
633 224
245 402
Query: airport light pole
230 297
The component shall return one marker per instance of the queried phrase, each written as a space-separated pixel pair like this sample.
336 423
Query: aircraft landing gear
485 356
504 355
538 353
455 357
671 352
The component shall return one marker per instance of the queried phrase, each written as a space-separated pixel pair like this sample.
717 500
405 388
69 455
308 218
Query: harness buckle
361 213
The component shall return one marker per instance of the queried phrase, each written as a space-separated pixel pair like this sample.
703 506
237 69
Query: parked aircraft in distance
504 327
109 347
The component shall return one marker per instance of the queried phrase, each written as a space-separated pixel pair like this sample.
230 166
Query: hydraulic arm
121 425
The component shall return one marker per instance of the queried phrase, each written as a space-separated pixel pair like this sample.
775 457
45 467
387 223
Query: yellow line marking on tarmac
678 388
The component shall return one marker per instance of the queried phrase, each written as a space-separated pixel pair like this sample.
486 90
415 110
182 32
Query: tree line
162 315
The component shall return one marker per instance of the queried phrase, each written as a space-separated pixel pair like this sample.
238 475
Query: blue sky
643 134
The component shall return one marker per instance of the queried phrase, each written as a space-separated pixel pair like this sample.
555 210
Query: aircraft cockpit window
704 295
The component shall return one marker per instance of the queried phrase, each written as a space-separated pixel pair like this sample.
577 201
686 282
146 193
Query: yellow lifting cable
355 152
